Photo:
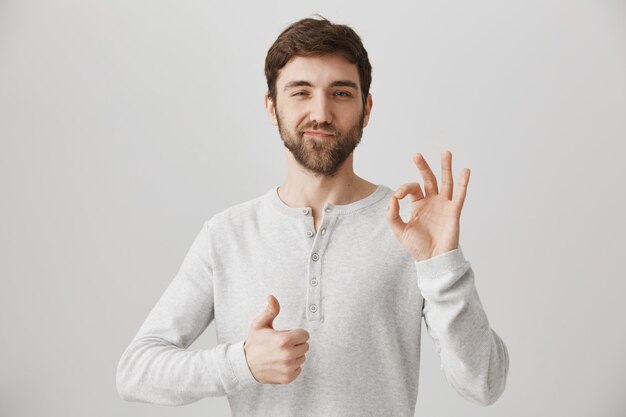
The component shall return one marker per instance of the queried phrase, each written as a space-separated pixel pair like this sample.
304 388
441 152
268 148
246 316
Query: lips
319 133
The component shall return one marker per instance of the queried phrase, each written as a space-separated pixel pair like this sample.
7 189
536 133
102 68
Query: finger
300 349
414 189
446 174
393 216
461 188
298 336
297 361
430 181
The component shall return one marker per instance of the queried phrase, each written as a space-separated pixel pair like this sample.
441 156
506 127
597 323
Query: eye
299 93
343 94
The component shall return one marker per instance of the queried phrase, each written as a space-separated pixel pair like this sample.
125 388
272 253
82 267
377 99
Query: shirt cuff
440 264
239 365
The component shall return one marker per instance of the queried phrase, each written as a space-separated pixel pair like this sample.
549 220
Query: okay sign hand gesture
433 227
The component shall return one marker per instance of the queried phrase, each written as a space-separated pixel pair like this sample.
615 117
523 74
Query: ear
367 110
270 108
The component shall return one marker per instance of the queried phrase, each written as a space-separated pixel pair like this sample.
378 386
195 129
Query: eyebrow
339 83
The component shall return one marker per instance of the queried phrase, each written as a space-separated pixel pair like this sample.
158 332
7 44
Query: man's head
311 37
318 76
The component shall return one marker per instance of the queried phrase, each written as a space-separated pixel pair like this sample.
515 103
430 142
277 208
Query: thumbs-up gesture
274 356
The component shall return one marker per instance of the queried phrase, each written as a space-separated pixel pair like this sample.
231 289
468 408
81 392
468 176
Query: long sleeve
474 359
157 367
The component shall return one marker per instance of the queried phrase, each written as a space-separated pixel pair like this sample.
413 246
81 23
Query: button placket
315 263
313 289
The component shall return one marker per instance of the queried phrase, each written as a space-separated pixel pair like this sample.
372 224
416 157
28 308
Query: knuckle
283 341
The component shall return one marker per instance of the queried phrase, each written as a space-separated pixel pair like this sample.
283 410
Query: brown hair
313 37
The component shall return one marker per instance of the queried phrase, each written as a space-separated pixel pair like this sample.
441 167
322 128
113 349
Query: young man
318 286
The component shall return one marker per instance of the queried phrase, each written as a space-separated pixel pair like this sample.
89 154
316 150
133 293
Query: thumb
265 319
393 216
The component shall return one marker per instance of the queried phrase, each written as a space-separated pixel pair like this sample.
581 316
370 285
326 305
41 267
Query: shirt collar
371 199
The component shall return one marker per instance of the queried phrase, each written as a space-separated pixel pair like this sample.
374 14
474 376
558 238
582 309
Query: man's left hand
433 227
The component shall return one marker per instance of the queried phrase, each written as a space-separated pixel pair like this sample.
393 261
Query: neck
303 188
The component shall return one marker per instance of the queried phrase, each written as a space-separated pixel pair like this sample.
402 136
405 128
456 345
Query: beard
322 156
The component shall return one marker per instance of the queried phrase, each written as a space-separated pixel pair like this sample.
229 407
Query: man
318 286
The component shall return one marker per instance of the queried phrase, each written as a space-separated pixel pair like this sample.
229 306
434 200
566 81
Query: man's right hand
274 356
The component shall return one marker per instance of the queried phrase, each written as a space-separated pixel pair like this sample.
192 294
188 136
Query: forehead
318 70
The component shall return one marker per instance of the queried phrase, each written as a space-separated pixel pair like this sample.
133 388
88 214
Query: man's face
319 111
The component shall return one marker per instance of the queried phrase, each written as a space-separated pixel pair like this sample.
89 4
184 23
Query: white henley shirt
350 284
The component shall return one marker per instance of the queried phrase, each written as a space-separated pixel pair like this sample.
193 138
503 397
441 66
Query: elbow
122 384
122 390
484 393
495 384
481 393
129 389
128 381
485 389
135 382
489 396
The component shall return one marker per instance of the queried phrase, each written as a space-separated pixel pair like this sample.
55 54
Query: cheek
291 118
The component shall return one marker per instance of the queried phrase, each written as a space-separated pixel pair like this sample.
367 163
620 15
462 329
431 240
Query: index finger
298 336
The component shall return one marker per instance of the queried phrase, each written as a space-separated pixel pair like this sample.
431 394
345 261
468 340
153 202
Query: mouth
319 134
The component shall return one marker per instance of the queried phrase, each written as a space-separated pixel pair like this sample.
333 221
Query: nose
321 110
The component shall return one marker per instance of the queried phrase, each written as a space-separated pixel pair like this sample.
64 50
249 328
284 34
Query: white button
315 256
309 233
305 211
327 210
313 308
314 281
324 231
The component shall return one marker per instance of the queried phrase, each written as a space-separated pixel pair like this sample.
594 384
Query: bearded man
353 278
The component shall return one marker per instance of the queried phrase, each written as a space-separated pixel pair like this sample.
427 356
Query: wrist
422 257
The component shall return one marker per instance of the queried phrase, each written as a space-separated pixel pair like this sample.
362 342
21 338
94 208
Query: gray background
124 125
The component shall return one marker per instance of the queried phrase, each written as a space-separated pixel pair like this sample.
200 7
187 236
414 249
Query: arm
157 367
474 359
